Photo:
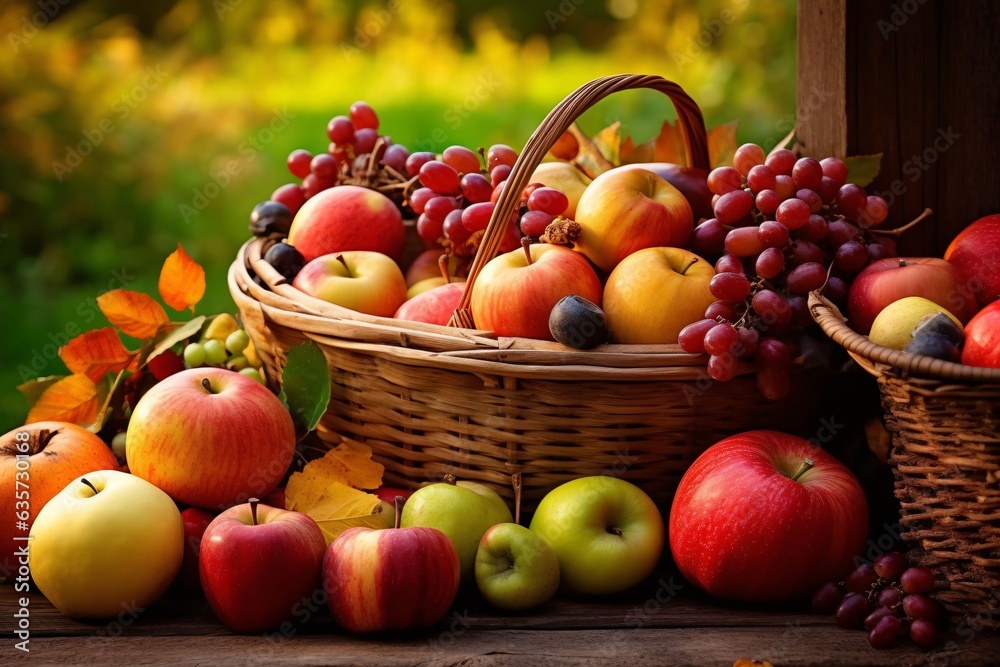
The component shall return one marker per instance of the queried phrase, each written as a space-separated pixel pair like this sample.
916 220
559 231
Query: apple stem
253 509
693 262
515 479
449 479
443 265
806 465
615 530
206 383
398 501
87 482
340 258
526 244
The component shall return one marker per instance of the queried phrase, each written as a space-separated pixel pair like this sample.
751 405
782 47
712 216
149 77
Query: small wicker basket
945 424
431 400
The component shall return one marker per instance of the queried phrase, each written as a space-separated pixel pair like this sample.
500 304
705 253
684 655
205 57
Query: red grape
890 566
806 277
876 251
477 216
439 207
807 173
363 116
709 238
395 156
499 174
744 242
324 166
889 243
774 353
461 159
885 634
802 252
889 597
417 160
692 337
298 162
785 187
811 199
500 154
827 598
453 228
827 190
729 264
749 340
840 232
772 307
724 179
291 195
533 223
851 257
419 199
733 206
475 188
722 368
873 618
852 611
429 230
773 383
549 200
721 339
364 140
340 130
918 606
800 311
440 177
768 201
834 169
727 310
814 230
793 213
917 580
747 157
770 263
781 161
511 239
760 178
729 286
923 633
851 199
876 211
312 185
861 579
836 290
773 234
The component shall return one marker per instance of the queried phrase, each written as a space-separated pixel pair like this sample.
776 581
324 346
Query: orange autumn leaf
667 146
73 399
135 313
182 280
95 353
722 144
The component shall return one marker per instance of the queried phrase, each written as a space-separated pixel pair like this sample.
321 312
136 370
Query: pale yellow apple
362 280
654 293
893 327
96 552
427 284
565 177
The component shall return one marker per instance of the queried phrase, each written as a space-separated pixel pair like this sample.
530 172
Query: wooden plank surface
685 628
821 84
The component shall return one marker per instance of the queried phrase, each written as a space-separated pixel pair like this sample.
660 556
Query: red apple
982 338
513 297
752 521
258 562
388 494
426 265
435 306
894 278
54 454
629 209
368 282
210 438
348 217
691 181
975 252
196 521
390 579
276 498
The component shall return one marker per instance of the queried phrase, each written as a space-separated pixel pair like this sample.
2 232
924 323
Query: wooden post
919 82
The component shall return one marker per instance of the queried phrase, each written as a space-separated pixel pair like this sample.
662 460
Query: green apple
107 540
515 568
461 510
606 532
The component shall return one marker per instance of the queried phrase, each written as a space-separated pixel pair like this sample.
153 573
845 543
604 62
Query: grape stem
806 465
899 230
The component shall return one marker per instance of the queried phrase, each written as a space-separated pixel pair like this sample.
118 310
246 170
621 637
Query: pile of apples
944 308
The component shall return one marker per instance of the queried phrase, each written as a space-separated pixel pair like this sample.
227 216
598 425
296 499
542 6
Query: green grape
253 374
194 355
118 445
237 341
215 352
237 363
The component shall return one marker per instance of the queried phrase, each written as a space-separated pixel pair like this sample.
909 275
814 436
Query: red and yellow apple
368 282
625 210
513 297
765 516
654 293
435 306
348 217
54 454
427 265
894 278
210 438
564 177
428 284
982 338
690 181
975 252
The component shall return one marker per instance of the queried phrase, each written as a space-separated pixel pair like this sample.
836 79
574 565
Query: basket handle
545 136
834 325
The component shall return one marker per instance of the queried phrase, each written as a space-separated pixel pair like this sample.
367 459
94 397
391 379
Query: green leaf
32 389
863 169
305 381
171 338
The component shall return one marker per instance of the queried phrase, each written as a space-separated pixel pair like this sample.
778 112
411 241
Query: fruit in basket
516 569
975 253
579 323
426 265
361 280
565 177
606 532
258 563
941 323
982 338
108 541
211 438
513 296
285 259
196 522
55 454
463 511
270 217
428 284
895 325
765 516
654 293
690 181
346 218
891 279
435 306
934 345
625 210
391 579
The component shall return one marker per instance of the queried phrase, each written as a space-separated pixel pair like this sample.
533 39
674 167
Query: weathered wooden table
662 622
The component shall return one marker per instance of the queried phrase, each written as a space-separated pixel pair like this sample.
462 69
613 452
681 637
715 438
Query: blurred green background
115 116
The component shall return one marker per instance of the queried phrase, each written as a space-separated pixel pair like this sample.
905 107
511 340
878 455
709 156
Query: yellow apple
362 280
654 293
893 327
565 177
626 210
427 284
107 542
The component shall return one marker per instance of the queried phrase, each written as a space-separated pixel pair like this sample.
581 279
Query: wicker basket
431 400
945 424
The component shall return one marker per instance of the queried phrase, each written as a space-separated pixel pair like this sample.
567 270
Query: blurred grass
437 74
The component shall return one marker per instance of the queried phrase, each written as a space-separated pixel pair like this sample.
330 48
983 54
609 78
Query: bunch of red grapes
783 227
889 599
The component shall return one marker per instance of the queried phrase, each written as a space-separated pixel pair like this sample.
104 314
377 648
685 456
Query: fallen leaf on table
348 463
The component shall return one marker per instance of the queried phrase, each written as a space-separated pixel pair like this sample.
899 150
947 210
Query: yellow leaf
341 507
348 463
182 280
94 353
73 399
609 142
722 144
135 313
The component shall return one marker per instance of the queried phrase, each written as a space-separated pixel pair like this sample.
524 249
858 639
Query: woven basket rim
883 361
